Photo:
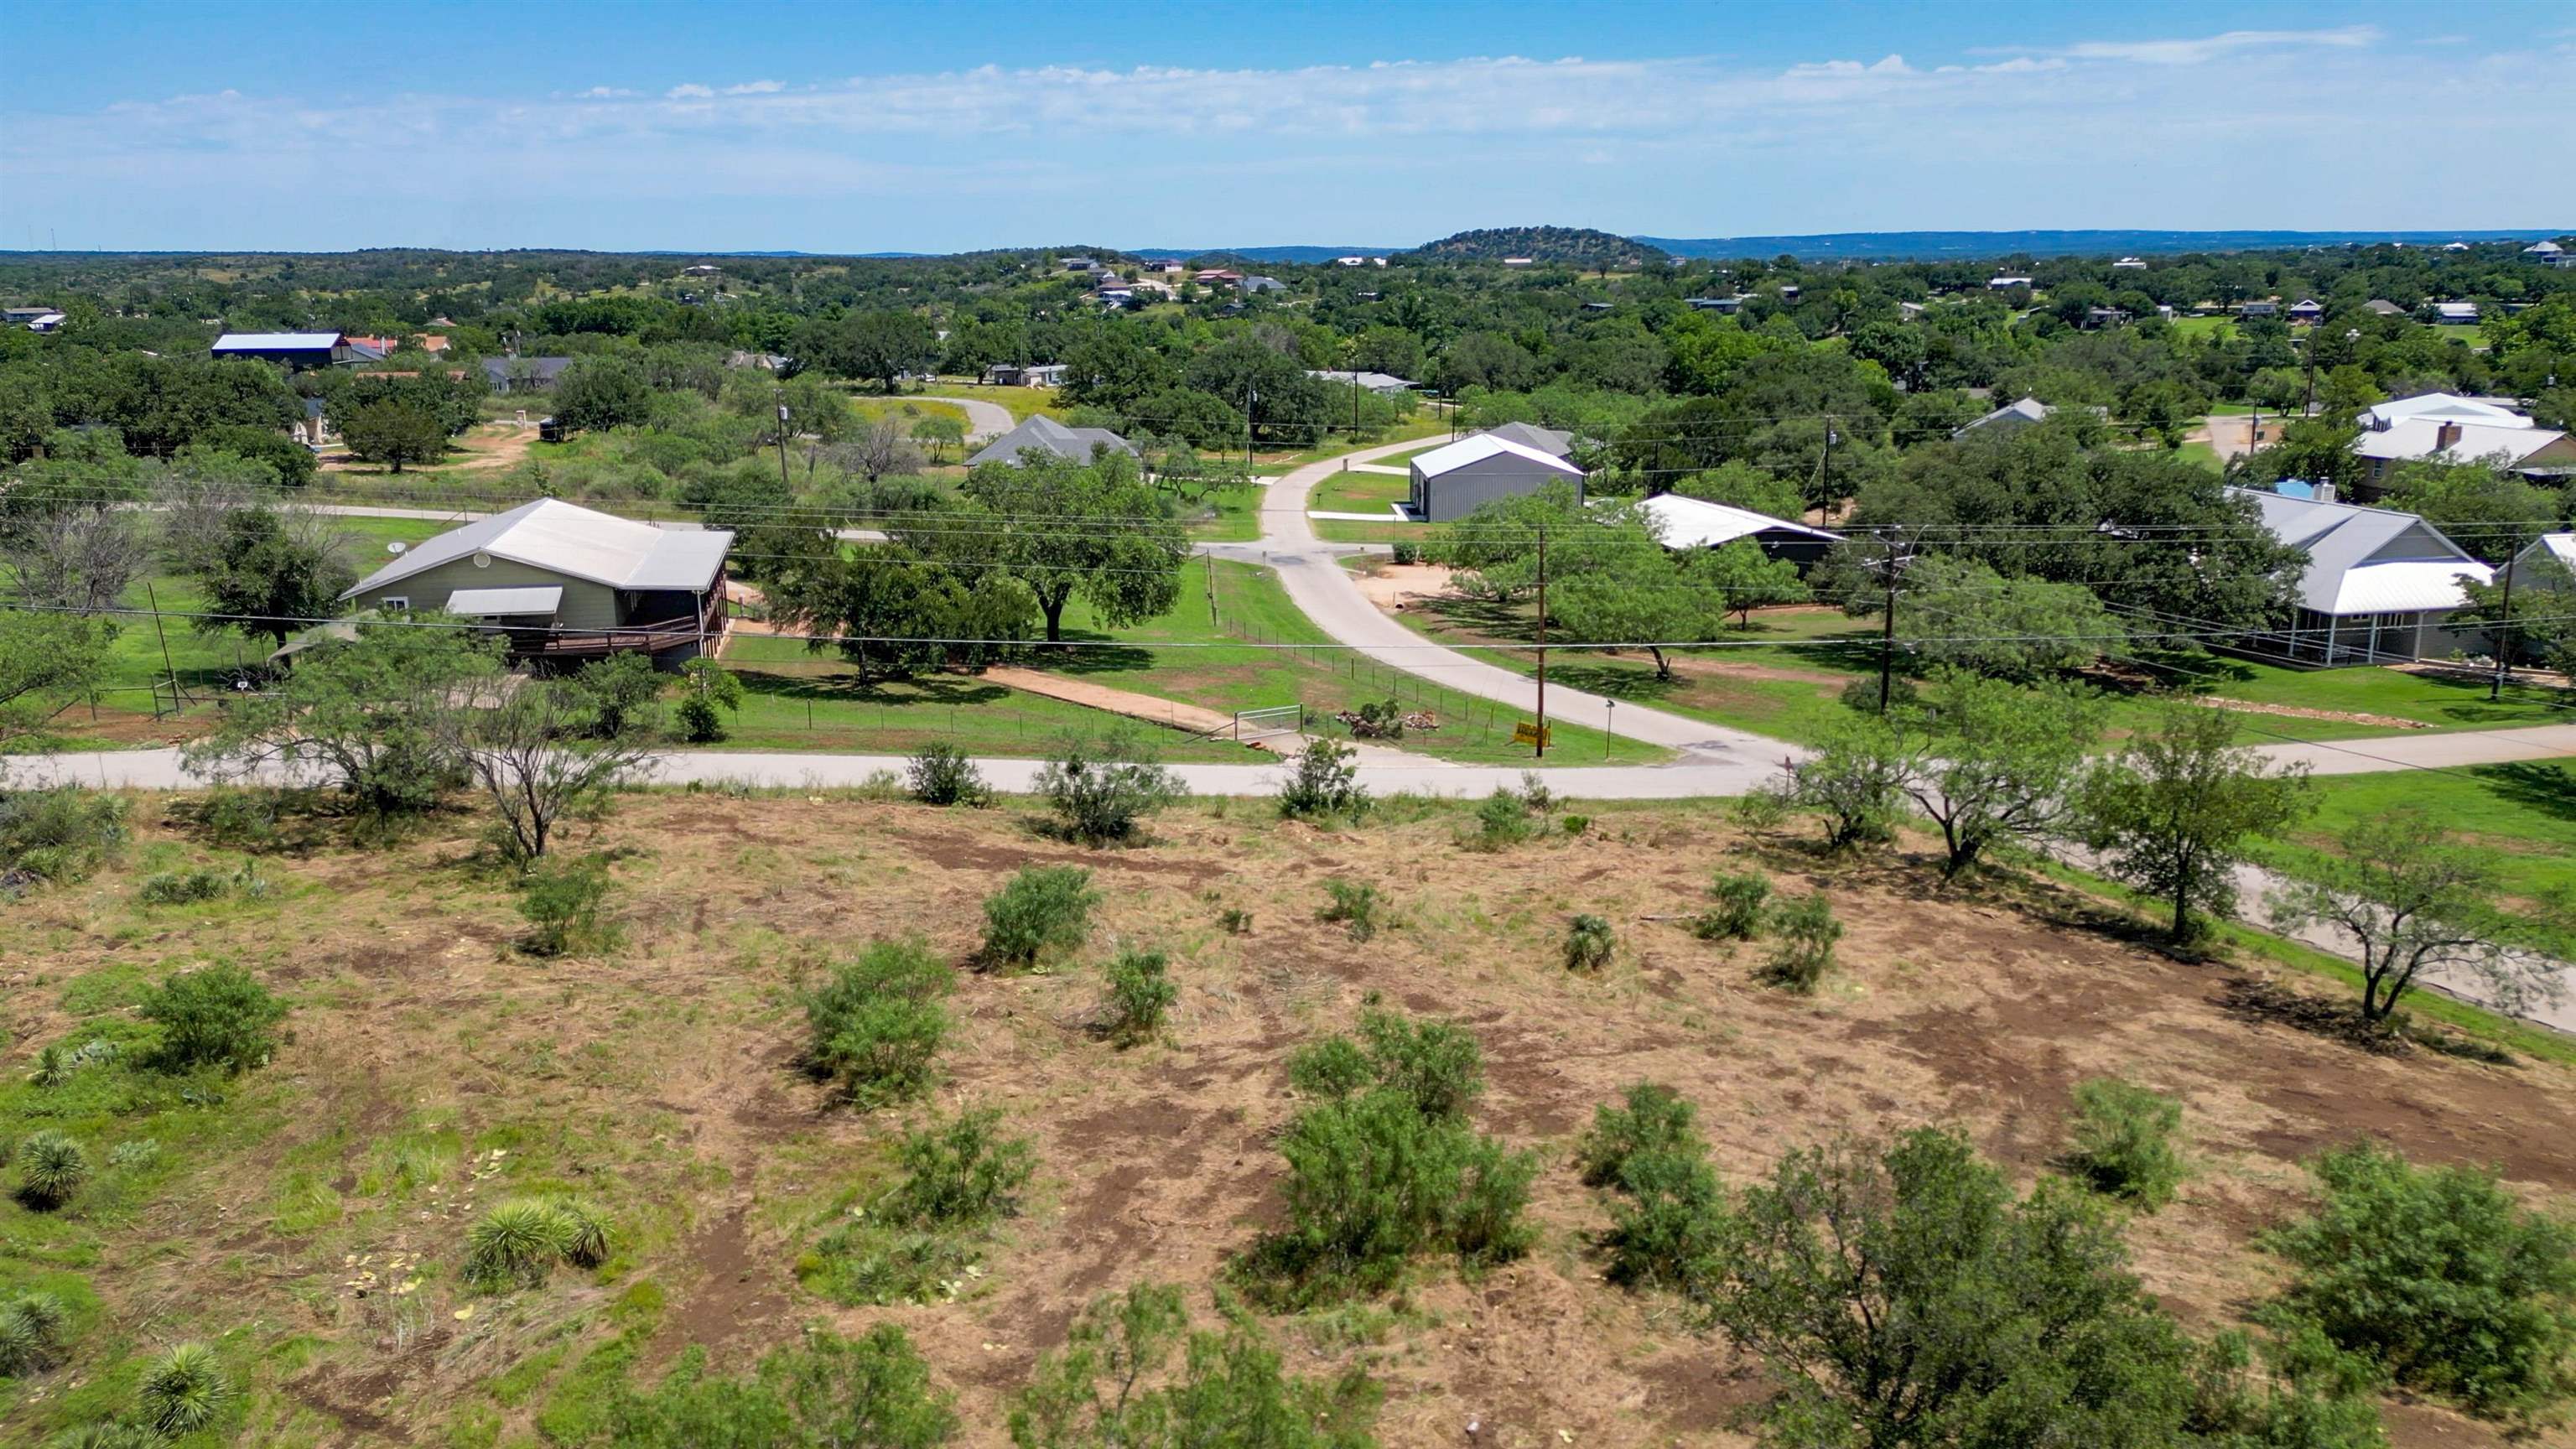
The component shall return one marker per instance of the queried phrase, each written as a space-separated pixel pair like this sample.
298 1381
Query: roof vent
482 560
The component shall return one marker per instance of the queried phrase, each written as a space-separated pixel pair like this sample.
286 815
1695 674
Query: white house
2380 585
2128 264
2001 283
2448 405
1448 482
1384 384
1697 523
2010 418
2455 312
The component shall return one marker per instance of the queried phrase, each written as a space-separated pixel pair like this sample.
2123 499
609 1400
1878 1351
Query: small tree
2440 1277
2123 1141
2415 901
1856 779
1904 1297
2173 813
517 744
273 572
1102 788
1323 779
218 1016
1737 914
940 431
878 1021
822 1392
1118 1382
2002 762
1043 911
390 430
1807 931
561 900
1354 904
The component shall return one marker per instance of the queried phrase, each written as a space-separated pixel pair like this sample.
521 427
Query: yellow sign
1526 733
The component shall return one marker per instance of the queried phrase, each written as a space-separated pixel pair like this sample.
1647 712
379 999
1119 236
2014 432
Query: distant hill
1576 244
1262 254
1936 245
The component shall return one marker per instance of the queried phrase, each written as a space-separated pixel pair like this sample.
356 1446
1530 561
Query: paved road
1324 591
2399 752
984 420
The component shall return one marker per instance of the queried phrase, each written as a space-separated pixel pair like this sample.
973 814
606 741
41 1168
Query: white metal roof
2367 560
2413 438
2443 405
1697 523
577 542
493 603
1482 446
275 341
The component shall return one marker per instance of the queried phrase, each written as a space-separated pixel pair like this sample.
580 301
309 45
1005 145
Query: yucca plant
53 1067
1588 943
183 1391
31 1334
588 1235
51 1167
106 1436
515 1243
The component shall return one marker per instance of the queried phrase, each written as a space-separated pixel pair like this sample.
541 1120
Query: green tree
877 346
602 392
2412 899
273 572
1065 529
822 1392
393 431
1906 1298
2001 761
45 660
941 431
1133 1373
2173 813
1957 612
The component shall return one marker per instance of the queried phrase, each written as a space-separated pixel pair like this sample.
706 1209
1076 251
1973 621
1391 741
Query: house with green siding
566 583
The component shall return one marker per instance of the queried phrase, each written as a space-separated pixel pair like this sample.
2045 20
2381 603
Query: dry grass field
310 1222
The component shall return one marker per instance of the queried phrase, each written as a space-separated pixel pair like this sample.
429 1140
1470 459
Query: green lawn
1356 492
2201 453
2221 327
2520 818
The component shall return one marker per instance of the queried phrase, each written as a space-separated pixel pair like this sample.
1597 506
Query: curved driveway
984 420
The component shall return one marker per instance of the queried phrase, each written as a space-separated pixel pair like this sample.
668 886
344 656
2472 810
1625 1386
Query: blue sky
215 124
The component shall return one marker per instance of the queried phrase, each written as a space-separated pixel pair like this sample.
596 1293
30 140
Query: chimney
2325 493
2444 436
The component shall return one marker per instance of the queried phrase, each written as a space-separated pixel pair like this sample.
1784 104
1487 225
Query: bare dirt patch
660 1081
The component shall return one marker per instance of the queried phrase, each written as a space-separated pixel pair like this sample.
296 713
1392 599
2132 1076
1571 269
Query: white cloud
2209 48
756 88
604 93
691 92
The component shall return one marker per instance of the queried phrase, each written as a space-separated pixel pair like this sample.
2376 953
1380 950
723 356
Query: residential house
1080 264
1025 374
2259 309
2544 251
50 321
314 428
1044 434
2529 567
2383 307
1518 261
1263 284
1696 523
702 269
2457 312
2010 418
2379 587
566 583
433 343
524 374
21 316
2518 447
1551 441
1449 481
295 350
1384 384
2097 318
2496 412
2307 309
381 346
2128 264
2001 283
1723 306
1216 277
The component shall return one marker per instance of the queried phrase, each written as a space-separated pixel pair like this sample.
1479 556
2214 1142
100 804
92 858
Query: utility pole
1887 629
1542 642
782 444
1251 399
2504 626
154 603
1825 477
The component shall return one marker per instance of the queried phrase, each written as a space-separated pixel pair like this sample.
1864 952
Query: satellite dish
397 546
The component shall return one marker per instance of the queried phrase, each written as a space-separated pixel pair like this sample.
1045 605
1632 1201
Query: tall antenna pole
1542 642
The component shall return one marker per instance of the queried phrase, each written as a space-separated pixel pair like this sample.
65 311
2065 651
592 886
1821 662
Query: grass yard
308 1218
1353 491
2519 818
2219 327
1022 401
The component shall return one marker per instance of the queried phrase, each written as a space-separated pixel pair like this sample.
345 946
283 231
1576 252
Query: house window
398 603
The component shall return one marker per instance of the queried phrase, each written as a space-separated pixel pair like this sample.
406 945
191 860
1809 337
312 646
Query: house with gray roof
1551 441
524 374
565 583
1384 384
1043 434
1448 482
2380 586
2010 418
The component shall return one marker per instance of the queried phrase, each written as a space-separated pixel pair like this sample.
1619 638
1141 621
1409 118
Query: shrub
1577 824
1503 820
1141 992
872 1392
1334 1067
699 720
219 1016
710 692
1862 694
939 773
1434 1065
1655 1119
1117 1382
1668 1223
244 819
2123 1141
1354 904
1536 795
1807 931
1761 808
959 1173
587 1234
34 1332
878 1022
58 833
1236 921
519 1241
1044 910
1588 943
1323 779
182 1391
561 900
2437 1276
184 887
1407 552
1737 914
1856 780
1101 789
